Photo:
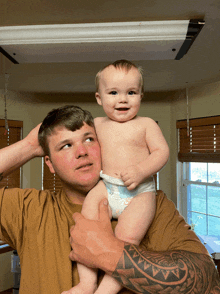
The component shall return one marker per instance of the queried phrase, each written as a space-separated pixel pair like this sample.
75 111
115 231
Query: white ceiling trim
94 32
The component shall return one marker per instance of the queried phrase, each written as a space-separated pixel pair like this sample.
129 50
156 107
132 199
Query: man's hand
17 154
93 241
32 140
132 176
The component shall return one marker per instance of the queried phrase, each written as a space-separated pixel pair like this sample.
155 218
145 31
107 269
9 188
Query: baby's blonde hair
121 64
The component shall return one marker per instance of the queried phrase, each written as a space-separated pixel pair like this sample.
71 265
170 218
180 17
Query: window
50 181
9 137
13 180
199 174
201 184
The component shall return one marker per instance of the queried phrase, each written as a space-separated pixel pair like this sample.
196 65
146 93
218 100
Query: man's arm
15 155
95 245
166 272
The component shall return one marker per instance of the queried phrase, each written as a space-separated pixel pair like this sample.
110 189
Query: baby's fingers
131 186
124 176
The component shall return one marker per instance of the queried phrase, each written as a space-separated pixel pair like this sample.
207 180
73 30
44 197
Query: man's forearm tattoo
166 272
1 177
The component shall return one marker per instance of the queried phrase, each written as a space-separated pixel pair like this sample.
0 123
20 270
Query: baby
133 149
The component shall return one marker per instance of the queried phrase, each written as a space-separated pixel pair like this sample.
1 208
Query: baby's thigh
135 220
92 200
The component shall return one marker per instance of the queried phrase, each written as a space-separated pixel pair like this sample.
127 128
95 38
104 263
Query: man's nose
81 151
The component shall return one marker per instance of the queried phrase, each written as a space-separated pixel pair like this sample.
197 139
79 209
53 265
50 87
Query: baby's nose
123 98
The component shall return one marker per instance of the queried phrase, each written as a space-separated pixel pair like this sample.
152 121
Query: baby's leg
88 276
133 224
135 220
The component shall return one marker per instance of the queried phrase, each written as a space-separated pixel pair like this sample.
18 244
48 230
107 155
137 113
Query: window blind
50 181
202 142
9 137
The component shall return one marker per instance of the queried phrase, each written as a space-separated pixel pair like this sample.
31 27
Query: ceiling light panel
148 40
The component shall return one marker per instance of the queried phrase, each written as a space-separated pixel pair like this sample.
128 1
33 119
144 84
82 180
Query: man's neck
76 199
75 196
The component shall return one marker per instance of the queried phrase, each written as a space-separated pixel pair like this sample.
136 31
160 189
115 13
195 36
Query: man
36 223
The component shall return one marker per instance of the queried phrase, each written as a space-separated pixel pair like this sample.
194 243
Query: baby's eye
131 93
113 93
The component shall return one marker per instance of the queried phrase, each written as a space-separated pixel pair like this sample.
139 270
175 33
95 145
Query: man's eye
89 139
131 93
113 93
66 146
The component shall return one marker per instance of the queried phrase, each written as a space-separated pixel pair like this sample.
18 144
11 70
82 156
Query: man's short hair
121 64
69 116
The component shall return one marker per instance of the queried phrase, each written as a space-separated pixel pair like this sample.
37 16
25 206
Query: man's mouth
84 166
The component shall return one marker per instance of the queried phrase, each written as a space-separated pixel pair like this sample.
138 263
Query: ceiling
200 65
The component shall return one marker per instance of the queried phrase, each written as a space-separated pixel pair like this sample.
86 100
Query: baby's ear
98 98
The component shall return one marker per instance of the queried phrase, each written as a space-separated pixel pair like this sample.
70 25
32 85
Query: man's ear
49 164
98 98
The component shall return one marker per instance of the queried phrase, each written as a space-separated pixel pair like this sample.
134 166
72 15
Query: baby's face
120 93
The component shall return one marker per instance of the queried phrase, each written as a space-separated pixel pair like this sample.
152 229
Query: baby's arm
133 175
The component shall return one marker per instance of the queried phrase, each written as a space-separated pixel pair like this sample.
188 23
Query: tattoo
1 177
169 272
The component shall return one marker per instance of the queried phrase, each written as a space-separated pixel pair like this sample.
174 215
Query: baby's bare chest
130 135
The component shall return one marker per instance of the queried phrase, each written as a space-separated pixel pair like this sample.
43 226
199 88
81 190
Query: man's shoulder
162 198
169 230
24 196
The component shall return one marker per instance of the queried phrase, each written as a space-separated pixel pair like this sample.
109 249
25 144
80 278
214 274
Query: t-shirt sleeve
169 231
13 212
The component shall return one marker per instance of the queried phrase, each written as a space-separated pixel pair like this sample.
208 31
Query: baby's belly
114 167
113 172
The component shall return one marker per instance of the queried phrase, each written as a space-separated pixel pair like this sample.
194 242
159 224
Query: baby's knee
128 237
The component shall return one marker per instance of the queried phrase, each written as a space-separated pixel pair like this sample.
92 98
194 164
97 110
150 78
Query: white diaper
119 196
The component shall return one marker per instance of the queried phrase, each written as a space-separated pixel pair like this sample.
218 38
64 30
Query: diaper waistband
111 180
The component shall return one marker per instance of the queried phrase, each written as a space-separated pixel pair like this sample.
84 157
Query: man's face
75 157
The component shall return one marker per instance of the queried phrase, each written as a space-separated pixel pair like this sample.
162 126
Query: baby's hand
132 176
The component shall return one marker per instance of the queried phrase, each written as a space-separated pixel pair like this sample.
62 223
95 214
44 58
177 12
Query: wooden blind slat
205 121
203 142
12 123
196 157
8 138
50 181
